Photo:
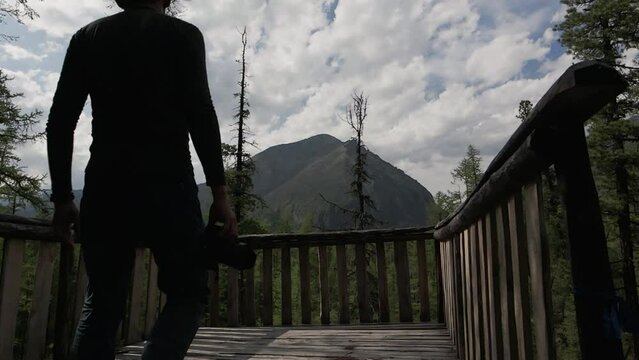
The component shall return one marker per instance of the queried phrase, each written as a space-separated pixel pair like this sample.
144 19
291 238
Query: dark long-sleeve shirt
146 75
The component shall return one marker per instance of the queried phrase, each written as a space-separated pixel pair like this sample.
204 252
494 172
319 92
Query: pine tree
240 179
16 128
525 107
355 116
605 30
467 175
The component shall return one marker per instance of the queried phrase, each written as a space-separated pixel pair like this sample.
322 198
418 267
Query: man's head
130 3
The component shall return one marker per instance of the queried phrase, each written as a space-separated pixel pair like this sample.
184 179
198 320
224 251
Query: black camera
219 249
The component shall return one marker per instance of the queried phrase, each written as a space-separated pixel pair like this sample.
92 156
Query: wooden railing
48 297
495 258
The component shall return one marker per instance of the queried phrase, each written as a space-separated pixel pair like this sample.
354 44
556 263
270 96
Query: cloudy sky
439 75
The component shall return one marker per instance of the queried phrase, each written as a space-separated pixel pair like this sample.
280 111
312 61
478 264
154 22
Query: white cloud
439 74
14 52
503 57
60 19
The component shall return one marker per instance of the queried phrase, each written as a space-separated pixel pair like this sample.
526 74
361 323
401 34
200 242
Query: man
146 75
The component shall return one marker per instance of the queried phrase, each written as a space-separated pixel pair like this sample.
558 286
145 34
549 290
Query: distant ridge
291 177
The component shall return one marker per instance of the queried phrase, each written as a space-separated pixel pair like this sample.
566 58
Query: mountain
291 177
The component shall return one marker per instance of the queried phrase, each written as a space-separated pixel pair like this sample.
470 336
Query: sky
439 75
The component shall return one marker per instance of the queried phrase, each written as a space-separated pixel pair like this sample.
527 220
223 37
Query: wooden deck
355 342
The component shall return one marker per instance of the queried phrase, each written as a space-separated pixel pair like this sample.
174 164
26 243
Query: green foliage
525 107
467 175
17 188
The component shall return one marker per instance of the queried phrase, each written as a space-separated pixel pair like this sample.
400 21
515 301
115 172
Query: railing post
63 329
440 289
591 274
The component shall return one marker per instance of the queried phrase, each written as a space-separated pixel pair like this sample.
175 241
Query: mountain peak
291 177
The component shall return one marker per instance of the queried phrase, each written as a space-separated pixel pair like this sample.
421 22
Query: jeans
114 219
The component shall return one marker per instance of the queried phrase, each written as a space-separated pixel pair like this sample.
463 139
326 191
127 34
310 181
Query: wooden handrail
577 95
243 299
495 257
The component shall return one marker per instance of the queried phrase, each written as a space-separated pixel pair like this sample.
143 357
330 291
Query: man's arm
204 129
68 102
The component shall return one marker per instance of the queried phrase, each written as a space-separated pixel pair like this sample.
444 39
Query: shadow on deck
353 342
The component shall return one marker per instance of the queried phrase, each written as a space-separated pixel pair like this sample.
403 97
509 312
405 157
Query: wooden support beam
152 297
305 284
422 273
267 287
233 307
363 301
10 280
403 281
325 295
37 329
134 331
214 302
539 261
342 285
382 282
248 315
287 311
590 265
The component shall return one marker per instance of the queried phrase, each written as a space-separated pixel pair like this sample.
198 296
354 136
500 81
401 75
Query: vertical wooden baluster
38 316
214 302
152 299
494 299
520 276
509 332
440 295
459 295
475 294
382 282
422 272
10 280
233 297
589 260
446 277
287 317
483 274
133 331
538 257
249 297
403 281
363 301
342 284
63 328
468 305
305 284
325 305
80 290
267 285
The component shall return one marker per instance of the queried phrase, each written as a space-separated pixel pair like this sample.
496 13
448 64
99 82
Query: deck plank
352 342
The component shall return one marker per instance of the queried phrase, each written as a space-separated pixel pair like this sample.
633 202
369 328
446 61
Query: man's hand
65 218
221 211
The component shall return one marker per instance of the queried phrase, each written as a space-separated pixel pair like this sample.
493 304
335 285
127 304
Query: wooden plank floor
355 342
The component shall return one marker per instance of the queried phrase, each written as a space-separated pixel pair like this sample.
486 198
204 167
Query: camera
220 249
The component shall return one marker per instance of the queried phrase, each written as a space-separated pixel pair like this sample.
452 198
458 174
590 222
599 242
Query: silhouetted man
146 75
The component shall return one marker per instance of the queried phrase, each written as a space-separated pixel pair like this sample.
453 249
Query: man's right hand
221 211
65 218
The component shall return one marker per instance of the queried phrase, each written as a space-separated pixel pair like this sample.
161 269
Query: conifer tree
17 188
606 30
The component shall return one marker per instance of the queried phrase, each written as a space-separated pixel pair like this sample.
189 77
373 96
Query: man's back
138 68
